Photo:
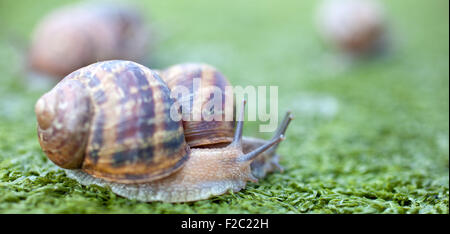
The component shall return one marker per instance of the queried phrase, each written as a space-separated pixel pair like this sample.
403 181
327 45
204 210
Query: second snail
109 124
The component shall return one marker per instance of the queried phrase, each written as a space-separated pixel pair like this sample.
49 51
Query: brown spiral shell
203 133
112 120
75 36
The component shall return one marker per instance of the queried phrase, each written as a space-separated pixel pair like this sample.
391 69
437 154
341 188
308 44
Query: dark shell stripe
171 146
127 127
138 155
94 81
136 125
99 97
131 127
218 80
97 136
146 110
188 82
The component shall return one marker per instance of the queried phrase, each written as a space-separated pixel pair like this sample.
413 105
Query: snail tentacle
237 139
255 153
268 161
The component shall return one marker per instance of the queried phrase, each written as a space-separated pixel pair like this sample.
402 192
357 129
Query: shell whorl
131 136
63 116
203 133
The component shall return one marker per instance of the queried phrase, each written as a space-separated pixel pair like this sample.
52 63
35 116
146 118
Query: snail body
109 124
207 173
83 34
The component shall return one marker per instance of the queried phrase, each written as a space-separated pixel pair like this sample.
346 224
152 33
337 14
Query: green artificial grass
368 137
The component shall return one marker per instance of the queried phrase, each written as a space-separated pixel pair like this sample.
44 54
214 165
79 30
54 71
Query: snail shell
355 26
203 133
83 34
112 120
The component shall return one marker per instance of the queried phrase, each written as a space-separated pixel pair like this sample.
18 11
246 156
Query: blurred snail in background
109 124
357 27
213 134
75 36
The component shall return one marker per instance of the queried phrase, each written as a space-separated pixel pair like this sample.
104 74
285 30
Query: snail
201 133
357 27
213 134
109 124
86 33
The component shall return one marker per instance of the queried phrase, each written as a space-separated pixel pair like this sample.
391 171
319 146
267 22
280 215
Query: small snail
355 26
86 33
213 134
201 133
109 124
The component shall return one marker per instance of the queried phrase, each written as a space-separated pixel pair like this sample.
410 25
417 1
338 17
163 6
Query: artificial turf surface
369 137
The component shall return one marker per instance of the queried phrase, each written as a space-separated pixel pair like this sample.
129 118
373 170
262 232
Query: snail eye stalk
237 140
253 154
281 130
